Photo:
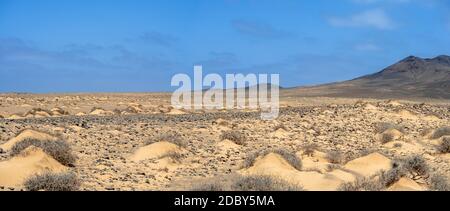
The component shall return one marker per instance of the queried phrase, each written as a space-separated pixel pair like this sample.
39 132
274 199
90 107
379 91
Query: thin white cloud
376 18
367 47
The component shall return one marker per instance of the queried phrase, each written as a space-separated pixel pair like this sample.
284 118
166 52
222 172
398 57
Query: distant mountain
412 77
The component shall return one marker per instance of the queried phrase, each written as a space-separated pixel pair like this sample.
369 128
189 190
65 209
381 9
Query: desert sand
137 141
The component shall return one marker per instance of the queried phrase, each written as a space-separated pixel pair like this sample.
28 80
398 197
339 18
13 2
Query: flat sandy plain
139 142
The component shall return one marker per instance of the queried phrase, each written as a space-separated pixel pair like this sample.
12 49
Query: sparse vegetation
209 186
96 108
365 152
280 126
381 127
132 110
309 149
35 110
426 131
60 150
362 184
439 183
53 182
173 138
290 157
176 156
235 136
386 138
444 146
398 145
263 183
387 178
247 183
331 167
438 133
415 164
117 111
335 157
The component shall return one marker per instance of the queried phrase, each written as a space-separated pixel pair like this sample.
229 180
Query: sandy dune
30 162
26 134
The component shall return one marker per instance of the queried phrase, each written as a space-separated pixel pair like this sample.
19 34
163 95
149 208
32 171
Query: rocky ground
138 142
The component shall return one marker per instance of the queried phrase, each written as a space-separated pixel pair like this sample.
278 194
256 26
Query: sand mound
317 161
394 103
406 114
166 163
280 133
342 175
155 151
404 147
58 112
396 134
29 162
272 163
431 118
26 134
136 107
221 122
101 112
327 112
227 144
176 112
370 107
369 165
76 128
164 109
275 165
80 114
15 116
406 184
37 113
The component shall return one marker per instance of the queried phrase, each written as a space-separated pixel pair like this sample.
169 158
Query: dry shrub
290 157
209 186
335 157
309 149
444 147
426 131
173 138
263 183
388 178
362 184
398 145
246 183
443 131
415 164
235 136
96 108
280 126
439 183
53 182
60 150
176 156
381 127
386 138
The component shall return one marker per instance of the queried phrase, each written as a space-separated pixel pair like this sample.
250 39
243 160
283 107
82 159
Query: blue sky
137 45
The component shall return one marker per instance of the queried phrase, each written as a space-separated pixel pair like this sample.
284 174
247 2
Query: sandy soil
114 137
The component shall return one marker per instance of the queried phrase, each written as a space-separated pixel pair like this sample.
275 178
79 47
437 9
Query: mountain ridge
410 77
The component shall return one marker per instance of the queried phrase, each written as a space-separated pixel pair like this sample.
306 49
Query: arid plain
139 142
